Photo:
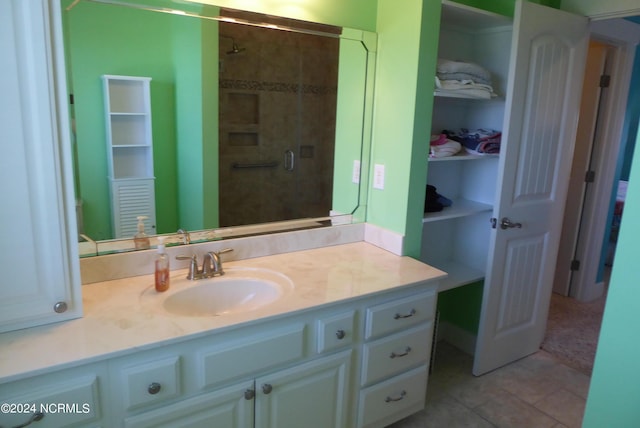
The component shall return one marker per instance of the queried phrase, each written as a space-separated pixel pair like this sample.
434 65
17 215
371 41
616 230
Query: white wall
599 9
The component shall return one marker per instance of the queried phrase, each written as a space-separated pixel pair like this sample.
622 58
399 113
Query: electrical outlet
355 177
378 177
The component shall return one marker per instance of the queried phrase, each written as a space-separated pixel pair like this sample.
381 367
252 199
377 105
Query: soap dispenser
141 239
162 267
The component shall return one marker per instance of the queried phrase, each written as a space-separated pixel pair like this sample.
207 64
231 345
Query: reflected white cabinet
129 152
39 263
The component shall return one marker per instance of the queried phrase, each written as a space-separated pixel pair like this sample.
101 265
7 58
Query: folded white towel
450 148
449 66
465 88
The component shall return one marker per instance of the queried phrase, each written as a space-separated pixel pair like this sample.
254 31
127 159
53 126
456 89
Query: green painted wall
461 306
615 382
402 114
103 40
195 54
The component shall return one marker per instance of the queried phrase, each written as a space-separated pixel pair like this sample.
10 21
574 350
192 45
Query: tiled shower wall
277 93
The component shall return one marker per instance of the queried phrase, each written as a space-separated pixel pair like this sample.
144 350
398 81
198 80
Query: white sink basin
238 290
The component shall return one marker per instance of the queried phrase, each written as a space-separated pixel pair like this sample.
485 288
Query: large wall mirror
254 123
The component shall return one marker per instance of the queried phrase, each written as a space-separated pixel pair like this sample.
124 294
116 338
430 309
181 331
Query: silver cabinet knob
267 388
60 307
154 388
340 334
249 394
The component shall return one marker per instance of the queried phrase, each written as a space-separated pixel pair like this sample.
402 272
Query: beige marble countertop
119 318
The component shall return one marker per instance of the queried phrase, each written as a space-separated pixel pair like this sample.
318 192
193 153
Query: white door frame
622 36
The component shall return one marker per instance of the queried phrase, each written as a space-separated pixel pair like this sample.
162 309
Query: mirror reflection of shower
235 49
277 117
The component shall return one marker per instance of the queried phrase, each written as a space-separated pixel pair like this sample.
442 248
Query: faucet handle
193 266
212 264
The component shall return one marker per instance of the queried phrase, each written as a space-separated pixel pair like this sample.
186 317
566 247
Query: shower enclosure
277 115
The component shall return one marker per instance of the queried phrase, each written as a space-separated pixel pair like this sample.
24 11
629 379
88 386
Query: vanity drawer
389 401
399 314
396 353
151 382
251 354
78 400
336 331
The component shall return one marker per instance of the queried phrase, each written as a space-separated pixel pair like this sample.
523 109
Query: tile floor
537 392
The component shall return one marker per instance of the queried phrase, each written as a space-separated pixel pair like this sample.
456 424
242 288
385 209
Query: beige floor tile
508 411
565 406
536 391
474 391
527 385
444 412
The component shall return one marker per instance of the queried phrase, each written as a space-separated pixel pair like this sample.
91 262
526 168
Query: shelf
459 275
130 146
459 208
464 156
472 19
460 95
127 113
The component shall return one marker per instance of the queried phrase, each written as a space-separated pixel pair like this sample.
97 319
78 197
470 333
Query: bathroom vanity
348 345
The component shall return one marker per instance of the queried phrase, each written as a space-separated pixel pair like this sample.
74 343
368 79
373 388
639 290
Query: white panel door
545 75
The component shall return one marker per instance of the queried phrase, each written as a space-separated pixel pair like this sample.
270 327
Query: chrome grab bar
289 160
238 165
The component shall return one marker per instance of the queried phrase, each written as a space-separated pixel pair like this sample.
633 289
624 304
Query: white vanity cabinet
314 394
76 397
40 267
268 375
395 359
361 362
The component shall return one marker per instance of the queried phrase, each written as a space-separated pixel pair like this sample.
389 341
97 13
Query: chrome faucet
211 265
186 238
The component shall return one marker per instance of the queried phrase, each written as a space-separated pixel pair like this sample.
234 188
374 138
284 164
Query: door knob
505 223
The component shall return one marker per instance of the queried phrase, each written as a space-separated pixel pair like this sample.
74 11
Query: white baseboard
458 337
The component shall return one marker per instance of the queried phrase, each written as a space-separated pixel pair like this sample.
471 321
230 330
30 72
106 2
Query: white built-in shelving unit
456 239
129 152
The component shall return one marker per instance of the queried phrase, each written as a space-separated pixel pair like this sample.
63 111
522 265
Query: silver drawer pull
405 353
267 388
249 394
340 334
154 388
411 313
390 399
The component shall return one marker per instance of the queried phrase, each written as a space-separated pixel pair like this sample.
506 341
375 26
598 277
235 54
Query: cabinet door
229 408
39 266
547 64
311 395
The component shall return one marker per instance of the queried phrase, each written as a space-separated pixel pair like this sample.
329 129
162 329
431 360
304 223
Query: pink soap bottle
162 267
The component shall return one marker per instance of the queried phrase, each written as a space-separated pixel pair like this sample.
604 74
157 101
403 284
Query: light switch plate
378 177
355 177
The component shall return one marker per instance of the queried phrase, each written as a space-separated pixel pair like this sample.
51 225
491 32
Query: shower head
235 49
